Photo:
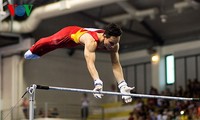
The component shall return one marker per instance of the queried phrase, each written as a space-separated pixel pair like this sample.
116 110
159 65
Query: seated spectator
41 113
131 116
54 113
25 105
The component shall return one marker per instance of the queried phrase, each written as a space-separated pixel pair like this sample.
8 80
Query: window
169 68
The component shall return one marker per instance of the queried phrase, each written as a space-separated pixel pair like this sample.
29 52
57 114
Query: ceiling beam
124 29
156 37
139 15
62 7
133 13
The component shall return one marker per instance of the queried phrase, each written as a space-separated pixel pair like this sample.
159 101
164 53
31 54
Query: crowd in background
163 109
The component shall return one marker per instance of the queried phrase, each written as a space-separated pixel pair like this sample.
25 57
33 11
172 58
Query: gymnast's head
112 35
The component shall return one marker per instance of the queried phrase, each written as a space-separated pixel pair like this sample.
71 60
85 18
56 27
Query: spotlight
155 58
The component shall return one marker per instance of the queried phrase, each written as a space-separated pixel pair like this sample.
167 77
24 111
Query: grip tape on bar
42 87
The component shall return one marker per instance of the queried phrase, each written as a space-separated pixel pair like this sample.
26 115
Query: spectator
131 116
84 107
54 113
41 113
25 105
180 91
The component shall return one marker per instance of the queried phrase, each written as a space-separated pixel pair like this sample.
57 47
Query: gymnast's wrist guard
98 82
121 84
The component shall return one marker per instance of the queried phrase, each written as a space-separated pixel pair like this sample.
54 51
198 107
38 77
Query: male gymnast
92 39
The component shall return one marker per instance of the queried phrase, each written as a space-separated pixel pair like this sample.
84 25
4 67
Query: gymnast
92 39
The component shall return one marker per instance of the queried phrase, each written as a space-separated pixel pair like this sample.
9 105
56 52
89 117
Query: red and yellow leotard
67 37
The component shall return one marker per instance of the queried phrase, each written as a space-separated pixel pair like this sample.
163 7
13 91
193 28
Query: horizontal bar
115 93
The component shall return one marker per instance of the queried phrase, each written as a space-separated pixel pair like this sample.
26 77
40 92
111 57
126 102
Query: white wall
11 94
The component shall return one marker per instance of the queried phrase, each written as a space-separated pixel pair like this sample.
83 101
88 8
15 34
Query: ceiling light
155 58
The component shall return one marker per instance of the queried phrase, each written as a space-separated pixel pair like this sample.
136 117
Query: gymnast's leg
47 44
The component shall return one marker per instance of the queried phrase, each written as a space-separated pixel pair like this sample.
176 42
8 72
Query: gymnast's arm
117 69
89 53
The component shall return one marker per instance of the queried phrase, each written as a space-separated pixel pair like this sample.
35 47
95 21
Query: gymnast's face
110 42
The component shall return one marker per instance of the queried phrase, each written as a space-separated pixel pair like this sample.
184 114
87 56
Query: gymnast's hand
98 87
124 89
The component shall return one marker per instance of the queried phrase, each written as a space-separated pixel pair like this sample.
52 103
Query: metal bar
115 93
